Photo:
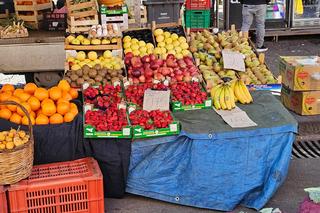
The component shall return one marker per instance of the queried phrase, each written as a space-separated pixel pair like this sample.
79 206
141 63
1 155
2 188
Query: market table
210 165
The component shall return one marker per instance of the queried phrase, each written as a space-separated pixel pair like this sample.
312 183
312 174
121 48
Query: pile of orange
50 106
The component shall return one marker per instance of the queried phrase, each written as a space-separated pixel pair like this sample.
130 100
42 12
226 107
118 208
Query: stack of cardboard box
301 84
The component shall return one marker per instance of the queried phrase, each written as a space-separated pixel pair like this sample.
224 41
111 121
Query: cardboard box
303 103
300 73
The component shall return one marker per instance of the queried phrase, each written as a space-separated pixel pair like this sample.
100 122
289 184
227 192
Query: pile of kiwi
94 76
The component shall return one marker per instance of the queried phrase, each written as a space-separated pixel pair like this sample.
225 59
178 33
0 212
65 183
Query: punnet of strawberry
154 119
111 120
103 97
135 93
188 93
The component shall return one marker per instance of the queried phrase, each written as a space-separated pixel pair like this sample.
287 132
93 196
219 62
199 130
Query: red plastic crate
198 4
65 187
3 200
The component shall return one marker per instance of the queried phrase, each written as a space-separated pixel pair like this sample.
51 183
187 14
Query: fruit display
188 93
104 116
137 47
90 40
105 31
151 120
225 95
153 123
207 48
50 106
150 68
135 93
30 2
170 43
14 30
13 139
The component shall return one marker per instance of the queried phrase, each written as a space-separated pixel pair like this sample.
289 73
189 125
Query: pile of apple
151 69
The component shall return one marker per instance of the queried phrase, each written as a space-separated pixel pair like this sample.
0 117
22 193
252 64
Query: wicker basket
16 164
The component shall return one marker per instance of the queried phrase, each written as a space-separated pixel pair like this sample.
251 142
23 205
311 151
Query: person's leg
247 18
261 11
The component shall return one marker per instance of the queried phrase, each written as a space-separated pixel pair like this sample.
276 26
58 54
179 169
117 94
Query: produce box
172 128
198 4
144 34
197 18
301 102
206 102
300 73
105 110
113 11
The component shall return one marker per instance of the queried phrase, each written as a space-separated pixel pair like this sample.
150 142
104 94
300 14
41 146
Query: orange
42 120
64 85
30 88
62 100
63 108
15 118
74 93
66 96
47 100
55 93
4 96
48 109
17 92
56 119
13 108
7 87
74 109
25 120
39 112
34 103
24 96
68 117
26 106
41 93
5 114
33 114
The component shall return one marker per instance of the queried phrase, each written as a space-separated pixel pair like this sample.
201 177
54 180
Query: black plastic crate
163 11
55 21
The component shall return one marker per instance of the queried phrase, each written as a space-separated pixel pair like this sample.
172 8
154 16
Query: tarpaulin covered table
210 165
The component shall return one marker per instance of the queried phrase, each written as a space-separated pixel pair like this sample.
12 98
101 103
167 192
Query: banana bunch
225 95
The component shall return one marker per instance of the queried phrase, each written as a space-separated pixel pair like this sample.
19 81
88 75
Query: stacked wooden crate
5 14
82 15
31 11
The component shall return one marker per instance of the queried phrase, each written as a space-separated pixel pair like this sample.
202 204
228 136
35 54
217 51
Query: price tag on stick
233 60
154 100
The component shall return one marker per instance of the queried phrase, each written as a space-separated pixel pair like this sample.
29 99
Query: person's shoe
262 49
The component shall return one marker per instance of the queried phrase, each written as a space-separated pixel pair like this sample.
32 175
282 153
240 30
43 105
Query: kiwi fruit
74 77
86 77
80 81
98 78
97 67
79 72
92 73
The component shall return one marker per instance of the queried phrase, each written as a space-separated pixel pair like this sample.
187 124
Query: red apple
148 72
152 57
136 62
170 56
145 59
142 79
129 55
135 81
179 77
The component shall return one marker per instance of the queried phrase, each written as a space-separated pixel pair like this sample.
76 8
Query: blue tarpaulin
210 165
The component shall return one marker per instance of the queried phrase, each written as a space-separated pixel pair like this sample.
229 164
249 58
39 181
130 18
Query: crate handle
198 12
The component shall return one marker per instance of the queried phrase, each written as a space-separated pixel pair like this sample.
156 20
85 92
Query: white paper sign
233 60
154 100
236 118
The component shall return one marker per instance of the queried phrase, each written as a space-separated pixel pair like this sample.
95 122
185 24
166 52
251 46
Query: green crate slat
197 18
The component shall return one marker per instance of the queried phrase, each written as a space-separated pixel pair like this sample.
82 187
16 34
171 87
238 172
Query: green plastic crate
197 18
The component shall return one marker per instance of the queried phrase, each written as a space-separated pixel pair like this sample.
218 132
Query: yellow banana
222 101
233 83
232 97
246 91
213 90
227 98
239 93
216 98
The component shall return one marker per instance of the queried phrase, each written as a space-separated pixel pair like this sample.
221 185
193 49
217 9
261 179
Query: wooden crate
91 7
143 19
122 20
115 46
75 26
35 8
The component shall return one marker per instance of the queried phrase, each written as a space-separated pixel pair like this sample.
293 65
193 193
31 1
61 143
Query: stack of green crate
197 14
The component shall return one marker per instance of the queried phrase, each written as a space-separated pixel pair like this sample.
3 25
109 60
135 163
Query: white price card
154 100
233 60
